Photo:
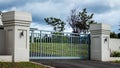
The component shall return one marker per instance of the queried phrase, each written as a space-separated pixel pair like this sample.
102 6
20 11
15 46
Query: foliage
19 65
118 35
113 35
119 32
56 23
115 54
80 21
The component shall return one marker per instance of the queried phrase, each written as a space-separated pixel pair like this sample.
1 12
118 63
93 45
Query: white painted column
2 34
100 36
1 20
16 26
32 36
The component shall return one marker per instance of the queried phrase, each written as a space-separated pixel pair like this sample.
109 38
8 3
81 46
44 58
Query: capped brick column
100 36
16 25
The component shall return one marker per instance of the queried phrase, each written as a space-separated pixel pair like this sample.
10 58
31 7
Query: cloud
111 18
41 26
7 4
105 11
45 9
47 27
96 6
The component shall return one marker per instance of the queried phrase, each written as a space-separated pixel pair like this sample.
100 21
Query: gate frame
88 42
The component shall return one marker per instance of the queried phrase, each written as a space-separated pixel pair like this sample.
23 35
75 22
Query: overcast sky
105 11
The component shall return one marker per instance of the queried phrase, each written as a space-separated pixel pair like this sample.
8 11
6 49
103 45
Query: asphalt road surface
77 64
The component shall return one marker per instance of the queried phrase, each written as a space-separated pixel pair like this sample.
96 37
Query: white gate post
32 36
100 36
16 26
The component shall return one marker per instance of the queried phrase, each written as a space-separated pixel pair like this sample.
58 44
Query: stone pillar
100 36
16 26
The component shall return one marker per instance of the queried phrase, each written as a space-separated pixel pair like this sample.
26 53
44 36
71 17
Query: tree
119 32
56 23
118 35
113 35
80 21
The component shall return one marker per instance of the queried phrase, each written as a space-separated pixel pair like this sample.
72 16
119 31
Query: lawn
60 49
19 65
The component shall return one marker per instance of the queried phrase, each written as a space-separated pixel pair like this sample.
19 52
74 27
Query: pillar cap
100 26
16 18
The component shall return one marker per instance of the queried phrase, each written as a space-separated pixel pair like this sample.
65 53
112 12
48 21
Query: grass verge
117 61
20 65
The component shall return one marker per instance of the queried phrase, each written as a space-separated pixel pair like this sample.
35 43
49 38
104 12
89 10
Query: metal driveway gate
55 45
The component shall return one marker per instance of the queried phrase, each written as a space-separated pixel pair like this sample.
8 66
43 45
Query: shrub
117 61
115 54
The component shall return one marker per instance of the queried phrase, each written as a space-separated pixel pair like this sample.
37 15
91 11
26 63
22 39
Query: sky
105 11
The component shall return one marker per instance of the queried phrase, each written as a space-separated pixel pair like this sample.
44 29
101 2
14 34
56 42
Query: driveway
78 64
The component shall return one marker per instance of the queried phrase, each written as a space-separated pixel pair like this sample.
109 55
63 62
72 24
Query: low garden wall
114 49
114 45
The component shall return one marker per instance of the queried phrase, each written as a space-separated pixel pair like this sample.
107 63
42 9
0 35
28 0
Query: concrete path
78 64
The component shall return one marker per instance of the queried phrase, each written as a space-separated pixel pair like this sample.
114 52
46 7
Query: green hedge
115 54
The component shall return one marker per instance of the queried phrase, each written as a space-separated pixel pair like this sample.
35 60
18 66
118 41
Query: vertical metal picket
89 43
